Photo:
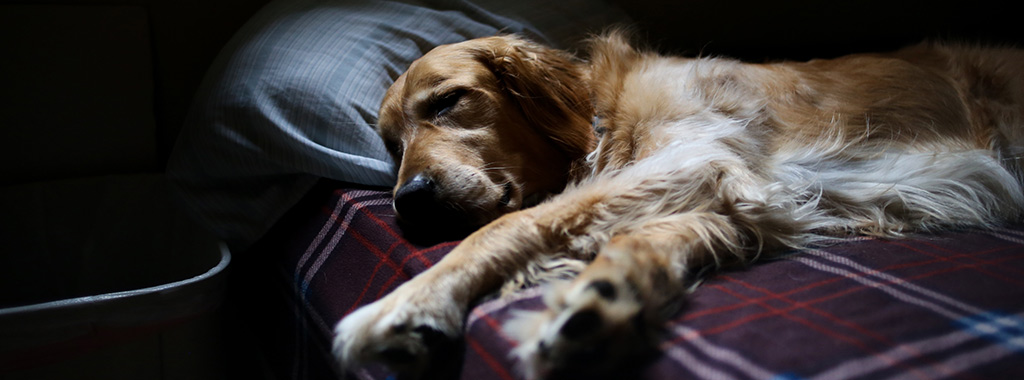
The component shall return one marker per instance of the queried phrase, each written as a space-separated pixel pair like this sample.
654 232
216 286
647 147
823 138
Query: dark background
93 87
772 30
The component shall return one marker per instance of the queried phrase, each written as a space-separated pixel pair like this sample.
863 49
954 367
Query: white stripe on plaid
1007 234
303 310
1005 333
1002 328
719 353
320 236
499 303
954 366
930 300
940 303
695 365
901 353
355 208
303 306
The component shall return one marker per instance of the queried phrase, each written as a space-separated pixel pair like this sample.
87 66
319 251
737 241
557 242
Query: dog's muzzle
419 205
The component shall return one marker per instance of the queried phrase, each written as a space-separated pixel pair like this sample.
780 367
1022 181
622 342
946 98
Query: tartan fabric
949 305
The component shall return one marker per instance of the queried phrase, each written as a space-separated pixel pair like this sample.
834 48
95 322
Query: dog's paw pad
589 324
604 288
399 335
581 324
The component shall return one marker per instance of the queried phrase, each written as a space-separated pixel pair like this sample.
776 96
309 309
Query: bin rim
225 259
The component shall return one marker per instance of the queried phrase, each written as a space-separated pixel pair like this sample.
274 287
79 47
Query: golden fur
692 163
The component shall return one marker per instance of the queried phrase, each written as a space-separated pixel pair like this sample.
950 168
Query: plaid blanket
948 305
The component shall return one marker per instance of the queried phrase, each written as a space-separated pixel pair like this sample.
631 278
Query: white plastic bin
104 278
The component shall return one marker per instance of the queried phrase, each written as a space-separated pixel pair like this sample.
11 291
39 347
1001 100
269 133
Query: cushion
294 95
929 306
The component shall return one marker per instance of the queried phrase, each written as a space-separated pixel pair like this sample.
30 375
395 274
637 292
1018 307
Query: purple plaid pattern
949 305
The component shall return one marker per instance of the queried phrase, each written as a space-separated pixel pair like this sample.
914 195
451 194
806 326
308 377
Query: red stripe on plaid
498 368
406 260
785 313
896 280
495 326
376 269
688 317
400 274
840 321
391 231
805 305
832 280
384 258
343 226
333 213
862 264
881 281
951 259
912 370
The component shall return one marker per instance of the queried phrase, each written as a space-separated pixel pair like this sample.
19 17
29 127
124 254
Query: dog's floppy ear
550 87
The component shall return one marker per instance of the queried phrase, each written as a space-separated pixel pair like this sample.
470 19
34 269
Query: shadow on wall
94 87
805 29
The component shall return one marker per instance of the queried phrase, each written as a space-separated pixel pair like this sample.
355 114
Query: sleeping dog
665 166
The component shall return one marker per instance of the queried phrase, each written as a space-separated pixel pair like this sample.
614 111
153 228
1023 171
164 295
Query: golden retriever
663 166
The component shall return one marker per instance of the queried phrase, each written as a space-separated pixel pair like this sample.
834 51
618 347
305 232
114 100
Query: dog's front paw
401 331
590 326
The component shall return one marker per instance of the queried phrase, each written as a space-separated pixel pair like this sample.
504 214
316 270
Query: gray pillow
293 97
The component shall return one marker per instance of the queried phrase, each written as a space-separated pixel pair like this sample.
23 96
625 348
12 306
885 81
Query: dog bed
945 305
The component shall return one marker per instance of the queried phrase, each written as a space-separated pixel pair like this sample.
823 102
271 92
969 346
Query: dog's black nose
418 203
426 214
416 198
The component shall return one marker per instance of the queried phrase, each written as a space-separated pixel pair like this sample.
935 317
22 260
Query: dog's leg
612 307
401 329
666 221
650 229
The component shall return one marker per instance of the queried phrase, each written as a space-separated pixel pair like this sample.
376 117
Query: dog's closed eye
442 104
394 146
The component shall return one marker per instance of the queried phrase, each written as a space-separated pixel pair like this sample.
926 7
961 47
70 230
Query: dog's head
482 128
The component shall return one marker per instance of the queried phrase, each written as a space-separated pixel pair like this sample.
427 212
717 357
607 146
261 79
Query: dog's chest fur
666 100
